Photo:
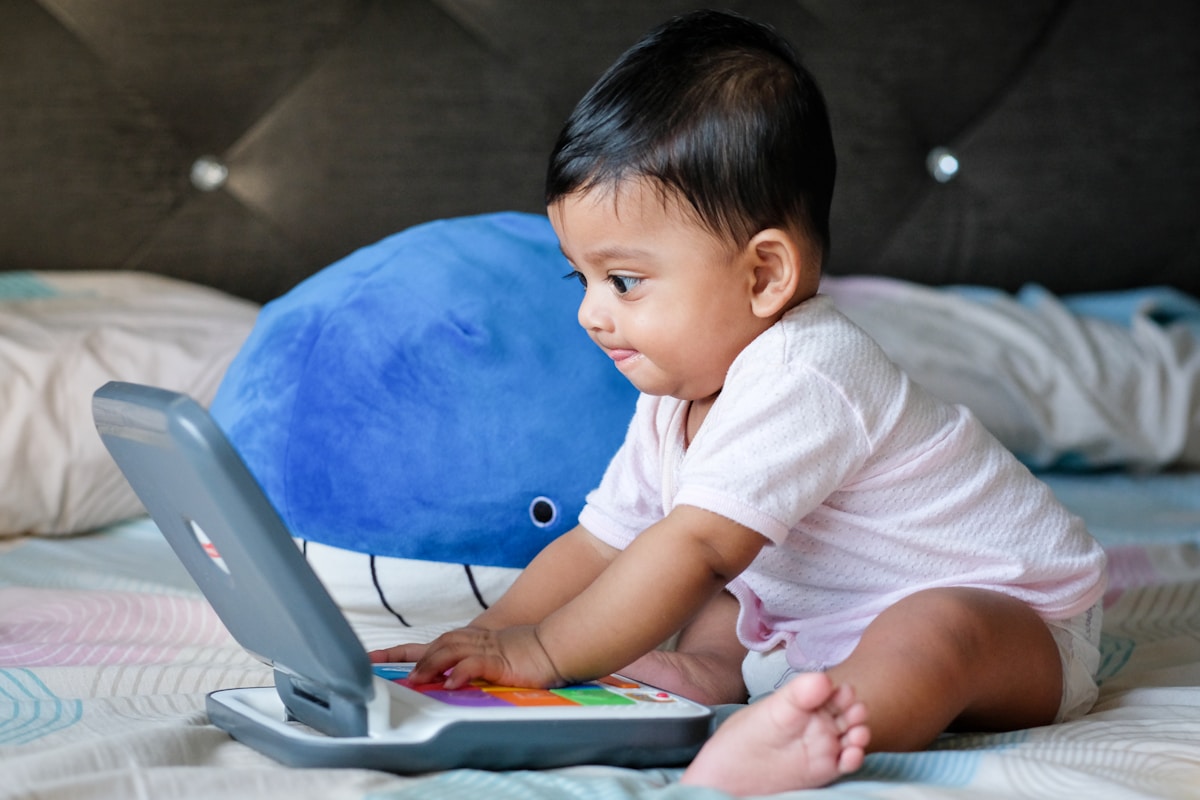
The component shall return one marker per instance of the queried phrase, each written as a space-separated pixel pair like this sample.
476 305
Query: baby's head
718 112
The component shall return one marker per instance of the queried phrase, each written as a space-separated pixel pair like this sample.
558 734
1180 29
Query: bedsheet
107 650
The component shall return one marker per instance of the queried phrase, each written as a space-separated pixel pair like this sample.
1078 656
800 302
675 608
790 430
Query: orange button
618 682
530 697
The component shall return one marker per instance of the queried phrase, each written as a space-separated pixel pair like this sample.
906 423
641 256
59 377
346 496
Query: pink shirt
867 487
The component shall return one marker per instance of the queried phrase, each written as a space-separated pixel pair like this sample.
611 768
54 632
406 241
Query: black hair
718 109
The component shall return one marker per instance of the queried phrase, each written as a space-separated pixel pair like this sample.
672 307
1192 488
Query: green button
593 697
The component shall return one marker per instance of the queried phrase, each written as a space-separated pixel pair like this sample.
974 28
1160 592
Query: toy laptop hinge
321 708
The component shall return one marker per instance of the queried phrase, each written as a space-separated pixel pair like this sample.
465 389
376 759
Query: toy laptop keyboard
329 705
615 691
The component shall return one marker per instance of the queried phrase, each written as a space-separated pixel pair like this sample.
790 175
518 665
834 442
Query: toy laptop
330 706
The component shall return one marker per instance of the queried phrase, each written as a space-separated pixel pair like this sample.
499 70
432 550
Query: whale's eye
543 512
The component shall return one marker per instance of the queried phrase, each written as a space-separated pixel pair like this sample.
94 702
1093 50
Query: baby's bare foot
703 678
806 734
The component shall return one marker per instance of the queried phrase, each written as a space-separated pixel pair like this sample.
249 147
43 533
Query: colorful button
618 682
530 697
391 673
472 698
652 697
594 697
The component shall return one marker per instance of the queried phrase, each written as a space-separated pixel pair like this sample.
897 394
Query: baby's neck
696 412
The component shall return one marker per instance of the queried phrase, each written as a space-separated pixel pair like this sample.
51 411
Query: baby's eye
577 275
623 283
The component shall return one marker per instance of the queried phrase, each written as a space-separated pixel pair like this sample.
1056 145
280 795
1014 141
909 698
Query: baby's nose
593 313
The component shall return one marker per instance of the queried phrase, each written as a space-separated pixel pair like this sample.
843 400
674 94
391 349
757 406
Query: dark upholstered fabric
341 121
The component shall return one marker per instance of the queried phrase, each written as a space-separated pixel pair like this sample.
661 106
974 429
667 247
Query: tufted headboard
246 144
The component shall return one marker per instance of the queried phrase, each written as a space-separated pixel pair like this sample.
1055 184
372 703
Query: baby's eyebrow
616 252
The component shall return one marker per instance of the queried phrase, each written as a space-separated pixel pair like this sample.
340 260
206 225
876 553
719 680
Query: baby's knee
963 606
962 624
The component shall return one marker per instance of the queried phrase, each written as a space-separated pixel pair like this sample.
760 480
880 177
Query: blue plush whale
430 397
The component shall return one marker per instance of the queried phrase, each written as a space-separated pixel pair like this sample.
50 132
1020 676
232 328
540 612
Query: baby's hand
508 657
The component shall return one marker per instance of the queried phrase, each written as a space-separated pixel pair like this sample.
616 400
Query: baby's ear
782 272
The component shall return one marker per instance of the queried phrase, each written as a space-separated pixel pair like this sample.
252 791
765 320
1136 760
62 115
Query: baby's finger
399 653
438 659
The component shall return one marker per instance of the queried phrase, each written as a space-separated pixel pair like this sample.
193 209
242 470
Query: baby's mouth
620 355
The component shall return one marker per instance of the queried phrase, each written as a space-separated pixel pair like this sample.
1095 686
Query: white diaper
1078 640
763 673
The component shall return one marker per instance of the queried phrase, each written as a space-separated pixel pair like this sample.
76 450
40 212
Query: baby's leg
964 658
939 657
706 664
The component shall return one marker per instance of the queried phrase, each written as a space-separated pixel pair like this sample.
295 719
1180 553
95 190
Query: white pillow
62 336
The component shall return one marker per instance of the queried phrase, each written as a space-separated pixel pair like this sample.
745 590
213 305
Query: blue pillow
431 396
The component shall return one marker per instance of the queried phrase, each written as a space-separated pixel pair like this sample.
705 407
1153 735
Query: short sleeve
629 497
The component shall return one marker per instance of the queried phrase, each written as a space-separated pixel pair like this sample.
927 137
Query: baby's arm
555 576
562 570
646 593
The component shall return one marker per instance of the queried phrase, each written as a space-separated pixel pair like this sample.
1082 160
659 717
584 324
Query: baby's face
667 300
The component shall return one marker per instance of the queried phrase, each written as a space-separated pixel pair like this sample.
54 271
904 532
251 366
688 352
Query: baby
863 560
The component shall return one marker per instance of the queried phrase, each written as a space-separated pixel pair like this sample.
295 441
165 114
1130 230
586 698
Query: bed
108 652
1015 219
